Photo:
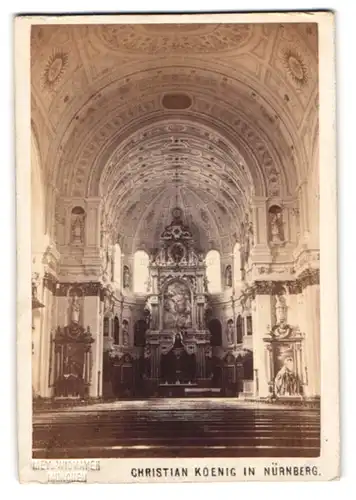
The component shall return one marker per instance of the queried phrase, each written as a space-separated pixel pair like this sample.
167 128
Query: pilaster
261 319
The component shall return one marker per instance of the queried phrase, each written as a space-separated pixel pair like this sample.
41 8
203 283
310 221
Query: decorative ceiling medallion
176 101
54 69
173 38
295 67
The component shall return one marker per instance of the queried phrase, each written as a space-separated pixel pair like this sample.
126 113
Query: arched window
141 261
237 263
213 271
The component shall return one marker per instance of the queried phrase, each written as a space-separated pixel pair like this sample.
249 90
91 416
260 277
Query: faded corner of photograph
175 240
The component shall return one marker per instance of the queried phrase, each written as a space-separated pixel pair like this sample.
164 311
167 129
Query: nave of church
175 215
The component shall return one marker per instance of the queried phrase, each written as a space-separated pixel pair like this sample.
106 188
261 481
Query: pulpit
72 361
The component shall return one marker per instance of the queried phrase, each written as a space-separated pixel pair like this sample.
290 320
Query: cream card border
118 470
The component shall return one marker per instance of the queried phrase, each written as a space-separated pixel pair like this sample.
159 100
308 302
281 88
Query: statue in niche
228 276
287 382
108 304
161 257
192 258
230 331
107 264
103 225
281 308
77 226
247 240
281 329
148 313
125 333
126 277
276 225
75 309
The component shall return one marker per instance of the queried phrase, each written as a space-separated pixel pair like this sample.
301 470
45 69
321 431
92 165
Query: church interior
175 214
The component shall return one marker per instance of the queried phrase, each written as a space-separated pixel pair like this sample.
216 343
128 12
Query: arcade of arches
175 195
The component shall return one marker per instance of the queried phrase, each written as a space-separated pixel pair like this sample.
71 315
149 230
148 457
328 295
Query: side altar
177 339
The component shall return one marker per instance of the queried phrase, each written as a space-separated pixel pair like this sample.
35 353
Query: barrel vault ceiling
146 116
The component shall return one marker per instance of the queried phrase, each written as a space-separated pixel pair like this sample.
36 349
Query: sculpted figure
126 277
77 226
75 310
230 331
228 276
276 225
125 333
287 382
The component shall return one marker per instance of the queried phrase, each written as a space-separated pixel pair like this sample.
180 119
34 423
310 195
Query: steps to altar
187 390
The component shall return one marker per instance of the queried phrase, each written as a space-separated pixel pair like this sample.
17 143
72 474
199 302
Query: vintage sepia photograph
174 184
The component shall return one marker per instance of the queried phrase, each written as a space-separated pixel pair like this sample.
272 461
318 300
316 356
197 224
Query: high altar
177 339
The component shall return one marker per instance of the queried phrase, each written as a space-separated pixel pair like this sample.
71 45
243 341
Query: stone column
47 327
36 350
155 360
303 210
259 220
92 222
200 360
289 220
310 326
92 318
50 219
117 268
260 252
261 318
